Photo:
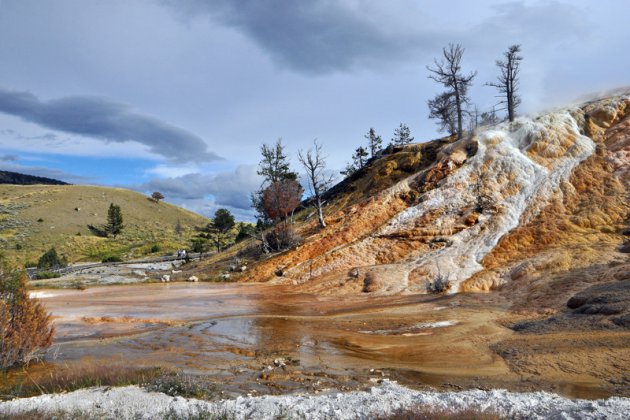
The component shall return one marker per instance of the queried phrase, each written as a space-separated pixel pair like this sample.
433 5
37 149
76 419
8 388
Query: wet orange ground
234 332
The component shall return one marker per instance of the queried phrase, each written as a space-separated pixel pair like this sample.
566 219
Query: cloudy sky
178 95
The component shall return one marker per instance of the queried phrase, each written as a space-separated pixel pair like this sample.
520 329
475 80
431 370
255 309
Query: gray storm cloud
317 36
103 119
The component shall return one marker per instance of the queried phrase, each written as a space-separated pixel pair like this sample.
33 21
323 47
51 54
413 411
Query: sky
177 96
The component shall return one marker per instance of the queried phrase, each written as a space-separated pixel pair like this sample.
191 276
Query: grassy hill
35 217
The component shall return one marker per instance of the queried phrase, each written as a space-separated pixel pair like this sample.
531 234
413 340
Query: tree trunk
320 213
458 104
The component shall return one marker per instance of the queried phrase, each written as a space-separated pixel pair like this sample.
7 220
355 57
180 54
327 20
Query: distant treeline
7 177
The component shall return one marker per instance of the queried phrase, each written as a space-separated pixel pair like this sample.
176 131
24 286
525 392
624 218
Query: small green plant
43 275
18 246
40 220
155 248
111 258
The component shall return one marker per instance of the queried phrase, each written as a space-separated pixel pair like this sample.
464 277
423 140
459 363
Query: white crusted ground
133 402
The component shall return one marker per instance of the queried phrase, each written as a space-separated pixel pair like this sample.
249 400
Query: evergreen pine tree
114 220
360 157
374 142
402 135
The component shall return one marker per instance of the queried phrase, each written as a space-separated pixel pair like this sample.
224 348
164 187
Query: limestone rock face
504 205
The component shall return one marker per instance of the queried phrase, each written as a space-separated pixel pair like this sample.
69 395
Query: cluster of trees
281 193
402 136
452 106
218 233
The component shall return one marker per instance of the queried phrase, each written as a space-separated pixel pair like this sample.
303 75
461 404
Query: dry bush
282 237
71 379
370 283
25 326
441 284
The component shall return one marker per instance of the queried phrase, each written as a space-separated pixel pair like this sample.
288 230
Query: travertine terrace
509 202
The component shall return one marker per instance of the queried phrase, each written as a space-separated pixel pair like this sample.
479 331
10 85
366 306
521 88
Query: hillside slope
34 218
511 204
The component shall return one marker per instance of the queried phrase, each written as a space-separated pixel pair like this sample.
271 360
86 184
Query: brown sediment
265 338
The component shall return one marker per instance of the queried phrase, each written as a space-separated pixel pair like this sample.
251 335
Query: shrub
282 237
441 284
40 220
156 248
370 283
25 327
198 245
101 233
51 261
18 246
43 275
183 385
111 258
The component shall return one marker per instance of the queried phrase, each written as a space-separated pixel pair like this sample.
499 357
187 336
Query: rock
625 248
471 219
166 278
176 271
524 269
604 299
279 272
243 268
193 279
232 267
354 273
370 283
225 276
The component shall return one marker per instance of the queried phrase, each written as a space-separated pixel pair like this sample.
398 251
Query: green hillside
35 217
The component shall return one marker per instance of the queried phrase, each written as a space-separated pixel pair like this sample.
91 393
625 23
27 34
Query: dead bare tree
448 72
314 163
507 81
